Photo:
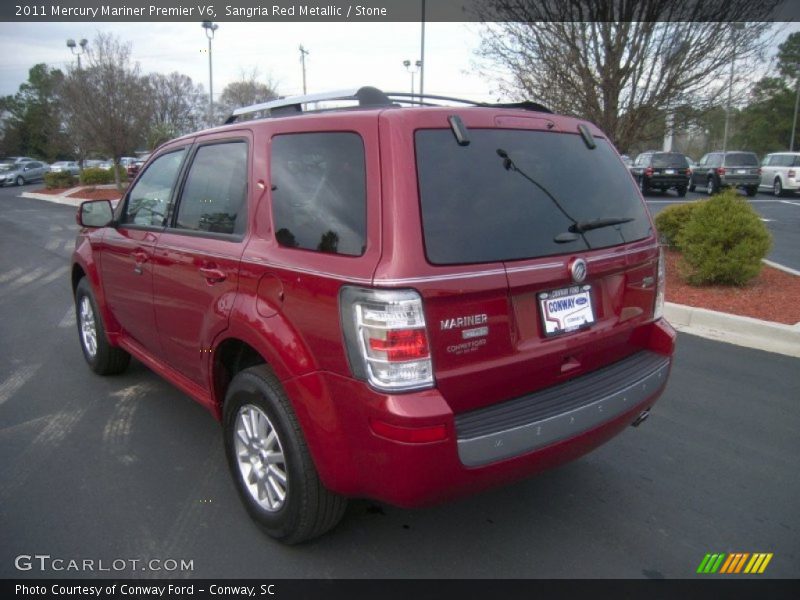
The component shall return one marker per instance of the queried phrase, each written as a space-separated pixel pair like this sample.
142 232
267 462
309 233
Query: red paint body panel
354 461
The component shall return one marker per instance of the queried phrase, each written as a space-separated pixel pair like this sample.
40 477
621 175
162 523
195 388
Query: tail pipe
641 418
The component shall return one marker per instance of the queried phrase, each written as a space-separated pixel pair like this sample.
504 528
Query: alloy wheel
259 454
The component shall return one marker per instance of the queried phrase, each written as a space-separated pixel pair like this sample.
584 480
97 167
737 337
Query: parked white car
780 172
65 166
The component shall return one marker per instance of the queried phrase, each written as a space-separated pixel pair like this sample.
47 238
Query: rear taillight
386 338
791 173
649 171
689 172
661 280
720 170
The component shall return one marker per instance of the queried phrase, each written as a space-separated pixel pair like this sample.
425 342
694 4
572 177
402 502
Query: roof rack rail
368 97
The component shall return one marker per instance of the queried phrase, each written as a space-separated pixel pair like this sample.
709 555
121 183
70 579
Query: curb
733 329
780 267
64 198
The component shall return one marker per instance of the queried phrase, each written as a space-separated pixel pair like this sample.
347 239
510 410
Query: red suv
403 303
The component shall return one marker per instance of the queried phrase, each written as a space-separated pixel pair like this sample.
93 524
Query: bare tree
619 63
108 100
177 106
246 91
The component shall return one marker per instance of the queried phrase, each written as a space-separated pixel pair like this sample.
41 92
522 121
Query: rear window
741 159
669 159
475 210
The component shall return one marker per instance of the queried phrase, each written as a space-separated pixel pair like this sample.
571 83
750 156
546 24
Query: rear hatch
532 205
741 167
670 167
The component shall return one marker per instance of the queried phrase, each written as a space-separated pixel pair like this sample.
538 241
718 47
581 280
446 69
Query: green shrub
723 242
671 220
95 176
59 180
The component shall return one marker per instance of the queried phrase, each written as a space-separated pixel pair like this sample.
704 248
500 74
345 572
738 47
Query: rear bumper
480 449
741 180
668 181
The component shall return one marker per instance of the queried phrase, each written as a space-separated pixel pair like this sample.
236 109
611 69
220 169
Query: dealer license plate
670 171
741 171
566 309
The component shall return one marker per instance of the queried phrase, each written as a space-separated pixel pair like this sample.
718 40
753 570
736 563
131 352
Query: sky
342 54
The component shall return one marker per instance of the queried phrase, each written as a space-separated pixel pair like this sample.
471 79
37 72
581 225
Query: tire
102 357
777 188
751 190
307 509
20 181
711 186
643 186
681 191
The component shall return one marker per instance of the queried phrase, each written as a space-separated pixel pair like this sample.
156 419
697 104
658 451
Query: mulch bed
771 296
97 194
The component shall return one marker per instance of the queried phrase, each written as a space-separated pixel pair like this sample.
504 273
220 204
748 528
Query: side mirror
95 213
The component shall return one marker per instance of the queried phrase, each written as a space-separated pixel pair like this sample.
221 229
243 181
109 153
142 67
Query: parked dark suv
661 171
385 301
719 169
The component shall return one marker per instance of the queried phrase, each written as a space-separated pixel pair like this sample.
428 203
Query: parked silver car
23 173
65 166
780 172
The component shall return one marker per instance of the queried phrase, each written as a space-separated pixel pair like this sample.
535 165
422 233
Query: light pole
413 70
210 28
73 48
734 28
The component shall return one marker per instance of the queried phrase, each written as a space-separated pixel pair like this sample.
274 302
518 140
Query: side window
149 198
786 160
766 161
319 192
703 161
214 194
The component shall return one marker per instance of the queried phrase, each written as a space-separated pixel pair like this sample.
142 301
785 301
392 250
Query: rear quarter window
319 192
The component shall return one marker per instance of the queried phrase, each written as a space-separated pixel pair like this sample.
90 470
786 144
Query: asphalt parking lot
130 468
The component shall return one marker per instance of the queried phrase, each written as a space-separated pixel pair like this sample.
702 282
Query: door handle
140 257
212 274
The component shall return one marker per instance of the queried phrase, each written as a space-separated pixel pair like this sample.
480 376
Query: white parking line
790 202
8 276
15 381
69 318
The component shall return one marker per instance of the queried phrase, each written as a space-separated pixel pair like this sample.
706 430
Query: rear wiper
580 227
510 165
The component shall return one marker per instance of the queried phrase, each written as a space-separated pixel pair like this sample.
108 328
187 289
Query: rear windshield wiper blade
582 226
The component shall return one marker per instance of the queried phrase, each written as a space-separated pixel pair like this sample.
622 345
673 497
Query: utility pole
422 55
796 105
303 53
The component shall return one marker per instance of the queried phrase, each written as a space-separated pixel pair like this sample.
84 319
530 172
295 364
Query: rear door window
319 199
476 210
